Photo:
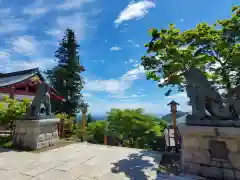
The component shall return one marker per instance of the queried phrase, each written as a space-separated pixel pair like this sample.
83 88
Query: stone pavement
81 161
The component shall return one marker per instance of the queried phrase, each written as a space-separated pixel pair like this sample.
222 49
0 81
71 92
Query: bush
95 132
131 127
10 109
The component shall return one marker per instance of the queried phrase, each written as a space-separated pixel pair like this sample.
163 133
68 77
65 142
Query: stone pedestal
36 134
212 152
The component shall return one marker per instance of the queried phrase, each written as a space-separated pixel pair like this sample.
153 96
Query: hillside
168 117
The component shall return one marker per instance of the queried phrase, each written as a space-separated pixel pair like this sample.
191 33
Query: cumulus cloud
115 48
35 11
73 4
11 65
115 85
63 22
135 10
26 45
9 23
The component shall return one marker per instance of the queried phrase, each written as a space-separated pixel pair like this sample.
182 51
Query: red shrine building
23 84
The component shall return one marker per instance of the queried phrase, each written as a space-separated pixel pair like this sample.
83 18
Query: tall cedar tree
65 77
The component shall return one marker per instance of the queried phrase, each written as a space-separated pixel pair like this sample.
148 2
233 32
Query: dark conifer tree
65 77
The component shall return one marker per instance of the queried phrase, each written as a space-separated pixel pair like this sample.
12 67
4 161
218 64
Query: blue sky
111 34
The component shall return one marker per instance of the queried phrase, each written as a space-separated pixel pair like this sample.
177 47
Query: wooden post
12 93
173 106
83 125
105 140
62 126
105 135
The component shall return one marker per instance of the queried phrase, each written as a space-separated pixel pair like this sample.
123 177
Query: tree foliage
132 127
65 77
214 49
96 131
10 109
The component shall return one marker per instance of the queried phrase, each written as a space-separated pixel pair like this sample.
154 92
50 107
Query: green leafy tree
134 128
65 77
214 49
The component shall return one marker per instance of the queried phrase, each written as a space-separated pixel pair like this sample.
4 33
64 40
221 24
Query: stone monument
211 134
38 128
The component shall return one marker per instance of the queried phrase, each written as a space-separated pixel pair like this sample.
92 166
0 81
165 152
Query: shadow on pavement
136 165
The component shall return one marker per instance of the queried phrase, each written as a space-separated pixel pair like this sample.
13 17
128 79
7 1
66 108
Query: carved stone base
215 123
212 152
36 134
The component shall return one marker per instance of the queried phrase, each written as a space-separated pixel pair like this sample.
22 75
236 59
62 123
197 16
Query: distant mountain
168 117
95 117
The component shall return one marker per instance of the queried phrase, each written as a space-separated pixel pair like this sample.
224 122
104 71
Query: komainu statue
204 97
41 104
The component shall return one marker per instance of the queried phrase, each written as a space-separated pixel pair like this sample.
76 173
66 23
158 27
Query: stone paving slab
82 161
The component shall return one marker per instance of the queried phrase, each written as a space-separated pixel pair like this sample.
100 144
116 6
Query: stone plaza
82 161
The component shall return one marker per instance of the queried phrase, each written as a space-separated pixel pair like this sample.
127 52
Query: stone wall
36 134
212 152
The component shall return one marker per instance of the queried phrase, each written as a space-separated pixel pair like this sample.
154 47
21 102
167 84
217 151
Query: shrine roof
7 79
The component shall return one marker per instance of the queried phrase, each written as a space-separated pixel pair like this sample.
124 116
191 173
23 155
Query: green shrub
95 131
10 109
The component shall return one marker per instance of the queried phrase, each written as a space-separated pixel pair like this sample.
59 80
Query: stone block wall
36 134
212 152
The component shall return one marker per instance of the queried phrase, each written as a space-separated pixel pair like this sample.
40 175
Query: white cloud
154 108
181 20
35 11
9 23
4 55
110 86
131 60
135 10
78 24
4 58
4 12
123 96
178 95
115 48
115 85
73 4
134 74
17 65
136 45
26 45
86 94
54 32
